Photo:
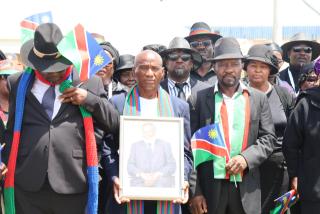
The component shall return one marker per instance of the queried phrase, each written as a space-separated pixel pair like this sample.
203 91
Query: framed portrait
151 158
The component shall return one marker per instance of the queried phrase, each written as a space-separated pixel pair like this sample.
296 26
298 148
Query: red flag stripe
80 35
216 150
90 137
9 182
28 25
247 121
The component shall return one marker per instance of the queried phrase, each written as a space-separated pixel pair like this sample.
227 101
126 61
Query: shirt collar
171 83
240 89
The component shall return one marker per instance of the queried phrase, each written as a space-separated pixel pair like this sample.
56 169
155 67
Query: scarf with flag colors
132 107
29 24
84 52
284 202
91 150
240 129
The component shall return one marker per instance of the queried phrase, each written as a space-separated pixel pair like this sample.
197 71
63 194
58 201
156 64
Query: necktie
48 100
181 93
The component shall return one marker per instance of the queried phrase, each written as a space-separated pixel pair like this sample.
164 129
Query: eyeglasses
299 49
146 67
204 43
184 57
312 79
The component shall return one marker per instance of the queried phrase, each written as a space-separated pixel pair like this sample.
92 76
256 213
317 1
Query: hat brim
287 46
227 56
214 37
274 69
29 58
196 57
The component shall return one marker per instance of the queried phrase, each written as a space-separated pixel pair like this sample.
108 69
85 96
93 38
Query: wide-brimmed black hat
202 29
179 43
126 61
262 53
227 48
300 38
41 53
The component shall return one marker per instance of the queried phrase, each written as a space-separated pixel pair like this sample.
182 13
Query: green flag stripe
9 204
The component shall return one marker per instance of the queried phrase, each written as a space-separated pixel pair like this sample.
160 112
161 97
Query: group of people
62 137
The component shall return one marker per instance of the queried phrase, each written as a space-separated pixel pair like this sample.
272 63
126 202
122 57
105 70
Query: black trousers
309 207
46 201
230 200
274 181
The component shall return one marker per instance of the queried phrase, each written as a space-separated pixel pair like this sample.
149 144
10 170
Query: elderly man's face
203 44
179 64
228 72
300 54
148 70
54 77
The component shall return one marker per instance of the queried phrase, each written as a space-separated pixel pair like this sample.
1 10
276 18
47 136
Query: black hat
227 48
275 47
41 53
112 50
298 39
125 62
179 43
202 29
262 53
155 47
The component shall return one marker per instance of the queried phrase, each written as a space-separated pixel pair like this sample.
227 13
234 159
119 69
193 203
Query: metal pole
277 27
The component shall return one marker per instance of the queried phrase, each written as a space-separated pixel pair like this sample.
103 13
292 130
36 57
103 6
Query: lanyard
292 81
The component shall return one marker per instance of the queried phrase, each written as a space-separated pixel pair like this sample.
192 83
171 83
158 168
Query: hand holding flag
284 202
84 52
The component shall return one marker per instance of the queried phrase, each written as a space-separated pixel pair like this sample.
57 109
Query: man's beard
180 73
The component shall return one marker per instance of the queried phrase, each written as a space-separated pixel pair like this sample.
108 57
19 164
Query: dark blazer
144 159
56 148
301 147
260 145
196 85
284 76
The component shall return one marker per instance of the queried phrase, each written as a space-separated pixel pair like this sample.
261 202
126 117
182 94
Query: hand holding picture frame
151 158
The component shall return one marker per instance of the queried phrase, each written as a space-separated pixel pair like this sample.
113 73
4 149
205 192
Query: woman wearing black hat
260 64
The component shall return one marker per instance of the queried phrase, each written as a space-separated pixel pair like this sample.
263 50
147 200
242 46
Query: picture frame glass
151 158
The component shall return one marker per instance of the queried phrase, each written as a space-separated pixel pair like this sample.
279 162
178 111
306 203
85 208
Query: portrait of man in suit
151 162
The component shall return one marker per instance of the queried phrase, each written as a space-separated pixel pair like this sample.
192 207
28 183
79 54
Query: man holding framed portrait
148 100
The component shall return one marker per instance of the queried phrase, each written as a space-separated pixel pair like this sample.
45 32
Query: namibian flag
84 52
29 24
207 144
284 202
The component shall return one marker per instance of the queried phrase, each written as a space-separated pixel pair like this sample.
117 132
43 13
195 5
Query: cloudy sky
130 24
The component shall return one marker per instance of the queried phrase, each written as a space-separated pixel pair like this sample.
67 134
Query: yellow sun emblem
98 60
212 133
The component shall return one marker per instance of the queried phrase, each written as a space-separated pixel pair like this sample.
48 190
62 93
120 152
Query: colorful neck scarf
239 139
91 150
132 107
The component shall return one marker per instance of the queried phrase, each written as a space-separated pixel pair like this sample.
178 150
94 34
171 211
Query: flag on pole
284 202
84 52
207 143
29 24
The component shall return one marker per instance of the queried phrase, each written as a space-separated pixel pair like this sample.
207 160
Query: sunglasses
184 57
204 43
312 79
299 49
4 76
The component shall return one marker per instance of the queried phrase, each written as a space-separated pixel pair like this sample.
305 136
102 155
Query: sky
131 24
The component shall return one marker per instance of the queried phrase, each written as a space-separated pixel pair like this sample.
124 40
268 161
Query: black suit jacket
261 141
56 148
196 85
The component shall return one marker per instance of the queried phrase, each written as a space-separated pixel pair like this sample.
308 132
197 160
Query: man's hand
198 205
4 170
116 191
74 95
236 165
294 184
185 193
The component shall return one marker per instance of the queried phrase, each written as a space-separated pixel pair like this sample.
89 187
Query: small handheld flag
284 202
29 24
84 52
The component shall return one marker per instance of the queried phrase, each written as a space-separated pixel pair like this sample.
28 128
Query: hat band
46 56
